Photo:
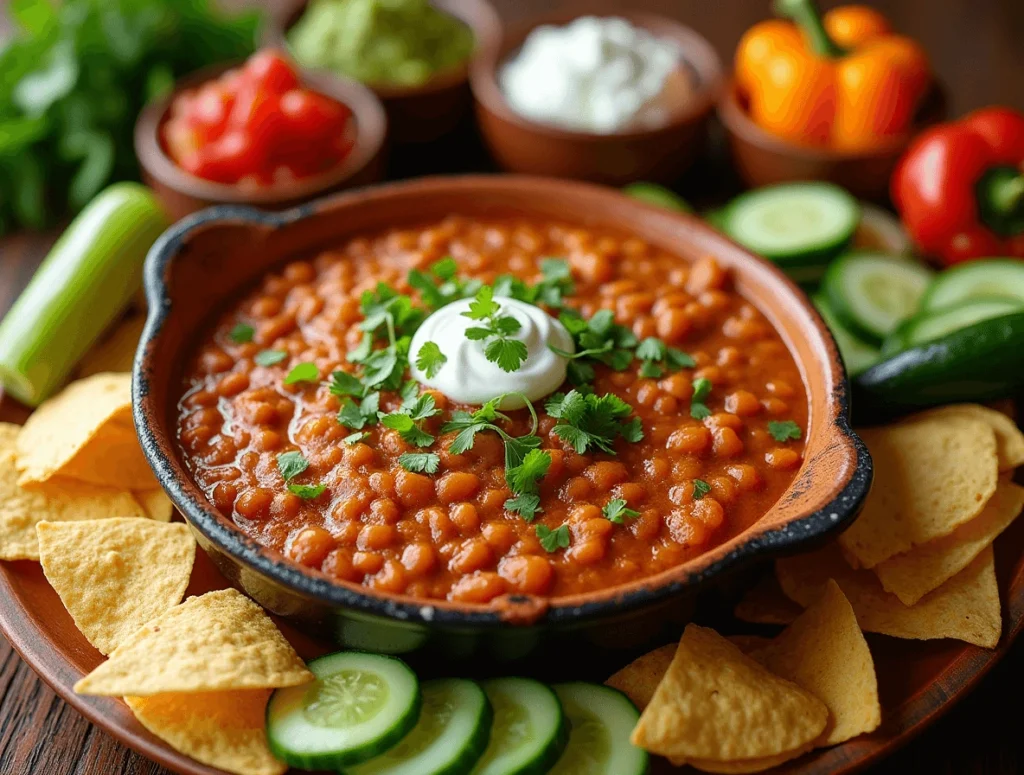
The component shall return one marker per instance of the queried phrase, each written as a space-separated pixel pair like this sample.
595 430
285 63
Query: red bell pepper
959 188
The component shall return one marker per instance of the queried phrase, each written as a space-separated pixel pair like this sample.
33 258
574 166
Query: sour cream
467 377
597 75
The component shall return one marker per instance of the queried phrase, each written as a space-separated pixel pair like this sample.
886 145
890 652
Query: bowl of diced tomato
262 132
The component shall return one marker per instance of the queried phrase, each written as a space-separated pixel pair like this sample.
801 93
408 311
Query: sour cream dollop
467 377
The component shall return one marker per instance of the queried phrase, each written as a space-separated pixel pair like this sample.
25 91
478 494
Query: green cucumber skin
977 363
553 752
653 194
86 280
335 761
928 303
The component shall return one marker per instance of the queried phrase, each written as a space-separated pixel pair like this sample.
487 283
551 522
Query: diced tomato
210 109
226 159
180 138
313 116
268 70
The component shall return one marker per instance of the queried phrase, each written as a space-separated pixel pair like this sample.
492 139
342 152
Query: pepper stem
805 14
1000 193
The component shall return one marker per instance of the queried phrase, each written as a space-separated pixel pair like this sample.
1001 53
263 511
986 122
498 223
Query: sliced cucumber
978 363
359 706
601 720
715 218
654 194
872 293
929 326
857 355
988 278
452 733
794 224
881 231
530 731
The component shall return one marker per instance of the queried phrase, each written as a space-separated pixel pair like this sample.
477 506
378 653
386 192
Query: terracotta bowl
420 114
182 193
201 264
761 158
662 155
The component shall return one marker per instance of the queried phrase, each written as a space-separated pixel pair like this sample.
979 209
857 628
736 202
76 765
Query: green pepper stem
1000 193
805 14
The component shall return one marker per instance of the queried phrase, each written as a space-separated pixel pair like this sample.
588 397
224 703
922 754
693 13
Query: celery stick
87 279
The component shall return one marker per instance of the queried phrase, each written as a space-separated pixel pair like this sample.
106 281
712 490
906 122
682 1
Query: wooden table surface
978 53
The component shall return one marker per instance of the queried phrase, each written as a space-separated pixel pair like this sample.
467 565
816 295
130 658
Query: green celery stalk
84 283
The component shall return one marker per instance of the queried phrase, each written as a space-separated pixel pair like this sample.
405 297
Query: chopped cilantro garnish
357 415
355 438
291 464
440 286
589 421
652 349
598 339
525 505
523 478
784 430
303 372
430 359
553 540
345 384
242 333
307 491
405 420
497 331
698 408
419 462
658 358
270 357
616 511
700 489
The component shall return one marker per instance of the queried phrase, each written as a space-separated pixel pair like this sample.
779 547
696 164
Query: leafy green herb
242 333
589 421
700 489
270 357
497 331
556 283
553 540
658 358
524 477
358 415
525 505
430 359
701 389
784 430
345 384
307 491
303 372
599 339
419 462
409 392
355 438
617 512
291 464
440 286
405 420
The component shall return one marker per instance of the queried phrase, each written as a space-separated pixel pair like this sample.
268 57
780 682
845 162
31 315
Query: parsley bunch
497 331
589 421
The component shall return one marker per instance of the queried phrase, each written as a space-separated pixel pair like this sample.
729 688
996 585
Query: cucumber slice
794 224
654 194
872 293
715 218
530 731
857 355
880 231
452 733
601 720
988 278
359 706
927 327
978 363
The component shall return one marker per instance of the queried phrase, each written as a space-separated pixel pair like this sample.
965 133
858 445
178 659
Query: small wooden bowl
761 158
423 113
662 154
182 193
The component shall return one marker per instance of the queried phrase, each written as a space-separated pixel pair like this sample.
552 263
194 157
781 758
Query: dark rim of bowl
479 15
794 536
703 60
370 125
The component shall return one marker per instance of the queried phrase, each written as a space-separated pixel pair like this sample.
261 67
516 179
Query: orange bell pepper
845 80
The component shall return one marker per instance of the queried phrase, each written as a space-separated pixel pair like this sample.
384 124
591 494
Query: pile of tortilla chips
77 495
917 563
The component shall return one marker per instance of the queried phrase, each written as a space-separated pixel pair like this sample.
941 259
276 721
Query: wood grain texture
978 54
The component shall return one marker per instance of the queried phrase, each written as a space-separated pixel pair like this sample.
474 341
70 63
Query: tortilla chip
717 704
740 766
85 433
641 677
1009 439
117 351
750 643
221 729
59 500
220 640
824 652
913 575
156 504
114 575
932 474
966 607
765 603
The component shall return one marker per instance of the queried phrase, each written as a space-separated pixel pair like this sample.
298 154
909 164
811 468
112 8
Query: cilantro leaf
483 306
419 462
358 415
355 438
270 357
303 372
345 384
444 269
677 359
242 333
616 511
430 359
406 427
700 489
524 477
409 392
589 421
553 540
784 430
509 354
526 505
307 491
291 464
652 349
422 407
698 409
651 370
